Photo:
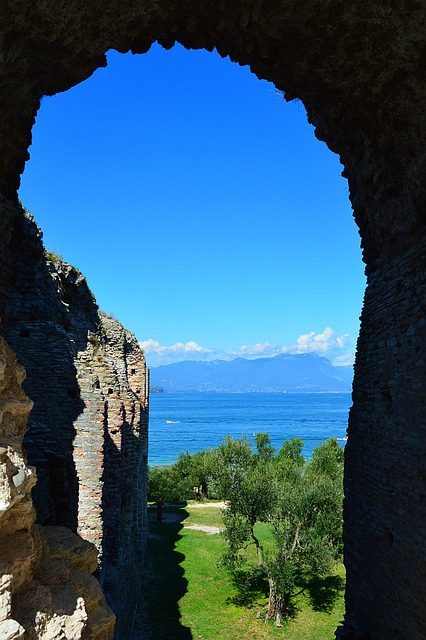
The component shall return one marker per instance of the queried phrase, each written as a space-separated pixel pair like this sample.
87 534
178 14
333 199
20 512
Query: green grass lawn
210 516
189 596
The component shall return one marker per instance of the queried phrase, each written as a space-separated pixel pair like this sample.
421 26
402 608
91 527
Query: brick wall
87 433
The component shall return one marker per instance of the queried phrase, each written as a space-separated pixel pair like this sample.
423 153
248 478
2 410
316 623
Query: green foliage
233 459
201 466
300 502
291 452
165 485
177 482
104 314
53 256
327 460
187 595
265 450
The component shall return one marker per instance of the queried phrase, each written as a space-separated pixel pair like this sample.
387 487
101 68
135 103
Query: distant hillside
303 373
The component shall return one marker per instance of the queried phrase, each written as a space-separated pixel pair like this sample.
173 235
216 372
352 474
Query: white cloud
259 349
338 349
323 343
157 354
327 344
148 346
344 360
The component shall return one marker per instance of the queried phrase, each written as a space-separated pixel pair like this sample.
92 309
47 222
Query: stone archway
358 68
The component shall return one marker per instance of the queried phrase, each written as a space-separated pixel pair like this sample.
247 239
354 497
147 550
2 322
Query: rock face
63 599
87 434
46 590
19 540
359 69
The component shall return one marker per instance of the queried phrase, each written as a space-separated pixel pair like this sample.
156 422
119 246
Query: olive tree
299 501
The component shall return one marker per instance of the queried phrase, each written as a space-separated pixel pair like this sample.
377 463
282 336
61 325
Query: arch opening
240 181
255 212
345 63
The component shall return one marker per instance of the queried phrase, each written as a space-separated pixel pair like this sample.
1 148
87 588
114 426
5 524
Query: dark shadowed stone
359 68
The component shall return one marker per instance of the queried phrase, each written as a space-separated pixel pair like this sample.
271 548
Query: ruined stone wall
358 67
46 586
87 432
19 541
112 438
385 524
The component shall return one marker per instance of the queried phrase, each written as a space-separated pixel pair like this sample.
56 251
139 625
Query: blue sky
202 210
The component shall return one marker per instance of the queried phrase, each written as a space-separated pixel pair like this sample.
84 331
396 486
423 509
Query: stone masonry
87 432
46 587
359 69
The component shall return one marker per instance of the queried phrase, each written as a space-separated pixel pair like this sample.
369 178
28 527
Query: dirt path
204 527
201 505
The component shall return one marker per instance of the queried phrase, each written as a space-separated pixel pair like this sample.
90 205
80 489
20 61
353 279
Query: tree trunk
204 491
159 511
276 605
258 549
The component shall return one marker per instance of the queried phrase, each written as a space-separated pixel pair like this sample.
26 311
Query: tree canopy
298 500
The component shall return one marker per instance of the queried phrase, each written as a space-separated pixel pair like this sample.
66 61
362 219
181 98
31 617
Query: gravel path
201 505
204 527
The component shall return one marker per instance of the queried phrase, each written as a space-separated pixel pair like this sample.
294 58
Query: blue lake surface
194 421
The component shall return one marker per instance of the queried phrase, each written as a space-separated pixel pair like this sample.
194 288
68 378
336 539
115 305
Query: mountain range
297 373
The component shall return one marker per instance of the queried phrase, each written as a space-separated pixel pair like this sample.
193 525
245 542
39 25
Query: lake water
194 421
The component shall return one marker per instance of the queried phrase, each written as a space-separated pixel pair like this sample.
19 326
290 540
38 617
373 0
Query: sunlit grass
211 516
190 596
